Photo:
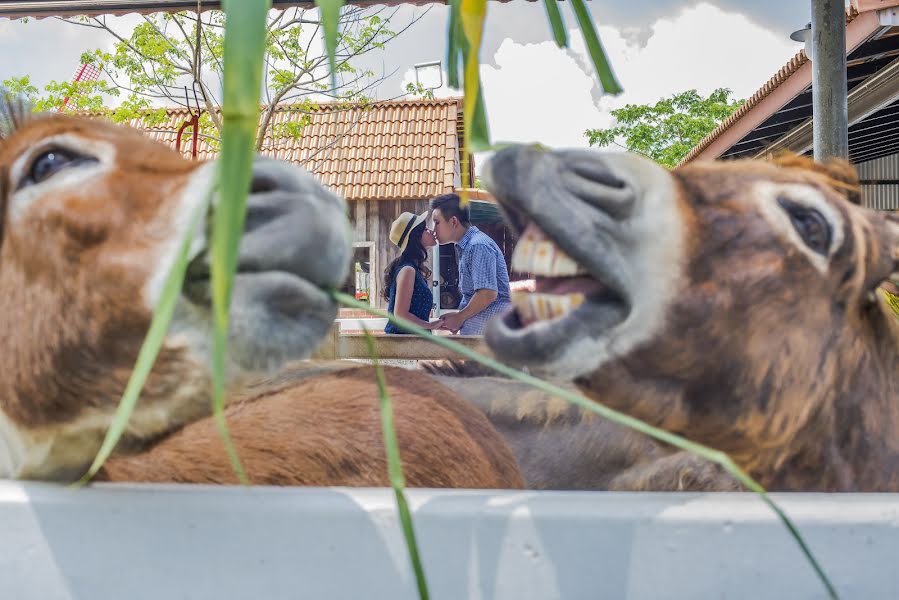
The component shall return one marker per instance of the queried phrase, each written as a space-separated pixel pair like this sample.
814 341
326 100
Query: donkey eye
50 162
811 225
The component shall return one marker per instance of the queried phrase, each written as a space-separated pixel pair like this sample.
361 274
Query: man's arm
483 273
480 301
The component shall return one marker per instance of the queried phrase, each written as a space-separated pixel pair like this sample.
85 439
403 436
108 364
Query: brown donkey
732 302
92 217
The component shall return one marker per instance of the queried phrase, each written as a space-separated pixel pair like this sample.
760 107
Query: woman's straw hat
403 226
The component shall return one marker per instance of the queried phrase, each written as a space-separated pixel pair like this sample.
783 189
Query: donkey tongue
568 285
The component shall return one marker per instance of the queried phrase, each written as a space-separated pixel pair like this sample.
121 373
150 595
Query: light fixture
801 35
429 75
804 35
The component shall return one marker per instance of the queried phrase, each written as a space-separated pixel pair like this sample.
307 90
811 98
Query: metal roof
778 116
877 134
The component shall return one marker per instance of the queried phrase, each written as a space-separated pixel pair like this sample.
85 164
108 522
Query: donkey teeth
540 256
522 303
544 307
563 265
521 256
542 259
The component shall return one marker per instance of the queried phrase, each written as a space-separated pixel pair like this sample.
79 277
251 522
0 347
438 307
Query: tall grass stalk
245 35
395 471
162 317
677 441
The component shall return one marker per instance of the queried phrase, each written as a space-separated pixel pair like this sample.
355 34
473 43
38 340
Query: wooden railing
393 347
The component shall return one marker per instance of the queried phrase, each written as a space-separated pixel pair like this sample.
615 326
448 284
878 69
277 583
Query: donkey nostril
262 183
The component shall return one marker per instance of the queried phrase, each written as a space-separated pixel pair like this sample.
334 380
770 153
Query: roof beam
864 100
858 31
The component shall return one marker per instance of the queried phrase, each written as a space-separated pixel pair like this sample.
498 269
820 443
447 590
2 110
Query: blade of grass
455 40
603 69
395 470
329 12
162 316
555 20
472 14
245 34
675 440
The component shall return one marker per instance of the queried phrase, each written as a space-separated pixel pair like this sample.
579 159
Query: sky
534 91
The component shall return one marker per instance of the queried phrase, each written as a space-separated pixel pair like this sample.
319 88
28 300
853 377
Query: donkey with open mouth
734 303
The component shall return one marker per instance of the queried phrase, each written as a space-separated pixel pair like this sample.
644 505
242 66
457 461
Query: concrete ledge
167 542
390 346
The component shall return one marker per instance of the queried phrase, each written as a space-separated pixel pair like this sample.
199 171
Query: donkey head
732 302
93 216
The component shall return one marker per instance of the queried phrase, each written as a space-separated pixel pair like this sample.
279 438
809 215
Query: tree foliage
667 130
176 59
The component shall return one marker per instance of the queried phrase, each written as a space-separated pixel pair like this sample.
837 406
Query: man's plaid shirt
481 266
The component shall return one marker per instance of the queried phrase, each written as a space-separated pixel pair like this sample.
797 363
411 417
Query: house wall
370 221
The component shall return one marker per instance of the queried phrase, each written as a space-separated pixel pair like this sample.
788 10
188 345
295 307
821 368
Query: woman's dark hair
414 253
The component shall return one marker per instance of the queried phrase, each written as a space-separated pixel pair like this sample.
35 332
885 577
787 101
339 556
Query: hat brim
415 223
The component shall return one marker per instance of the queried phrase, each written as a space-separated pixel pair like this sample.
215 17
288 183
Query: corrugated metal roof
769 86
16 9
399 149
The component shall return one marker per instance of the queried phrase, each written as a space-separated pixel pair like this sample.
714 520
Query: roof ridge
316 106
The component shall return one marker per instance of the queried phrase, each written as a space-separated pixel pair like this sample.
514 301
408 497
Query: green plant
667 130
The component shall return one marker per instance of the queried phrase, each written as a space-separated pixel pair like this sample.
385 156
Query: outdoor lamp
429 75
804 35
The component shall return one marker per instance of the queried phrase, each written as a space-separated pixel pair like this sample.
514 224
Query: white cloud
49 49
701 47
538 92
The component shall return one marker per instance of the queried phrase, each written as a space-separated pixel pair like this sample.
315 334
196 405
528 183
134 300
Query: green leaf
245 36
395 470
603 69
330 17
558 25
162 316
477 130
675 440
472 15
455 42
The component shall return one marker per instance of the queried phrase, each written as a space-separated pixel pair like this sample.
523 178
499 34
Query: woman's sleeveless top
421 302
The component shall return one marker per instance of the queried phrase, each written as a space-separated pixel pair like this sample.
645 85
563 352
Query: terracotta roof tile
360 152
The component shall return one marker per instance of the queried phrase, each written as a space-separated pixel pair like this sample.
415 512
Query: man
483 278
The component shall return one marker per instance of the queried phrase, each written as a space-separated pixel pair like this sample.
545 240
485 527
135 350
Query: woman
406 286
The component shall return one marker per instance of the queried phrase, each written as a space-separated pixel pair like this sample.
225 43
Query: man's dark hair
449 208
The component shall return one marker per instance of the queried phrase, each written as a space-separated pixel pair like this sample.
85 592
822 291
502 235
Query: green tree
667 130
168 58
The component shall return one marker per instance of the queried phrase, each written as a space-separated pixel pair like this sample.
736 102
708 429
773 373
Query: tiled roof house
384 158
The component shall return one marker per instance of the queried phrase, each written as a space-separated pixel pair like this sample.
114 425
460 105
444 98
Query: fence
341 344
147 542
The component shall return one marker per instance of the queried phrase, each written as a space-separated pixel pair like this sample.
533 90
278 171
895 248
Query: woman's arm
405 283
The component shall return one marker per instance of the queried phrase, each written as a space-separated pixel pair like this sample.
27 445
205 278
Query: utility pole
829 91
